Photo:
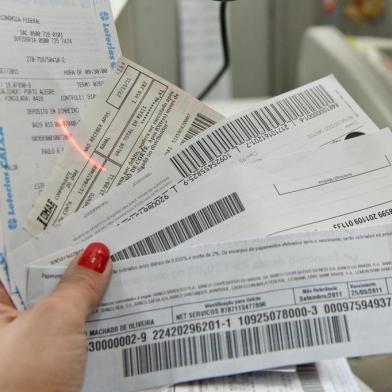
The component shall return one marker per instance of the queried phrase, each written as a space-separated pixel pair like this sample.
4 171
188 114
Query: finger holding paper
228 308
55 329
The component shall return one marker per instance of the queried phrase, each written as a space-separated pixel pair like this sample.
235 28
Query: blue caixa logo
12 223
104 16
7 184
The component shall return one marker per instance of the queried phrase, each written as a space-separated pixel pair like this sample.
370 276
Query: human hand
44 348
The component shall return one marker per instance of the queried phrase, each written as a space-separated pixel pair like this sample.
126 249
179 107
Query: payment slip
227 308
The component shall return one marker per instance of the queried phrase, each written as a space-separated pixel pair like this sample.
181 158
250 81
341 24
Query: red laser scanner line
80 149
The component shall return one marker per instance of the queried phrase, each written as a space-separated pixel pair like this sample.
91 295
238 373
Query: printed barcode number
200 123
263 121
184 229
310 379
219 346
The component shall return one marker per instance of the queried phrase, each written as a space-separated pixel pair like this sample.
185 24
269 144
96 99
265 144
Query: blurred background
274 46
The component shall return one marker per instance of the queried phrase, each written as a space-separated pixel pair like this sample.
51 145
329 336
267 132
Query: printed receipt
56 55
136 118
317 114
339 186
235 307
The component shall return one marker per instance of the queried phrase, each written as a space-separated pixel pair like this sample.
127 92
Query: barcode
184 229
199 124
219 346
263 121
309 378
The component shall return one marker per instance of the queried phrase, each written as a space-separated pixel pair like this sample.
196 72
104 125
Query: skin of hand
44 348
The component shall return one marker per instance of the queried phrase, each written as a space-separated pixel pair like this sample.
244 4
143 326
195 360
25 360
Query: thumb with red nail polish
48 341
95 257
84 282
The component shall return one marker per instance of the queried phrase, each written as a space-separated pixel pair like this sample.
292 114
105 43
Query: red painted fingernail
95 257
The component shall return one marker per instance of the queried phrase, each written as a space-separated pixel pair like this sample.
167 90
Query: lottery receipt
137 117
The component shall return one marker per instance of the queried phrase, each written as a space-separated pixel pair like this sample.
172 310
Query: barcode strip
263 121
310 379
219 346
200 123
184 229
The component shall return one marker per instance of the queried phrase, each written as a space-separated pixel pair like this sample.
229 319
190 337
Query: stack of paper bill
239 245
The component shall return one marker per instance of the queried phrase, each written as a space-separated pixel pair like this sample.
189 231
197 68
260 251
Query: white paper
235 307
340 186
118 6
137 118
336 375
250 136
56 55
324 376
